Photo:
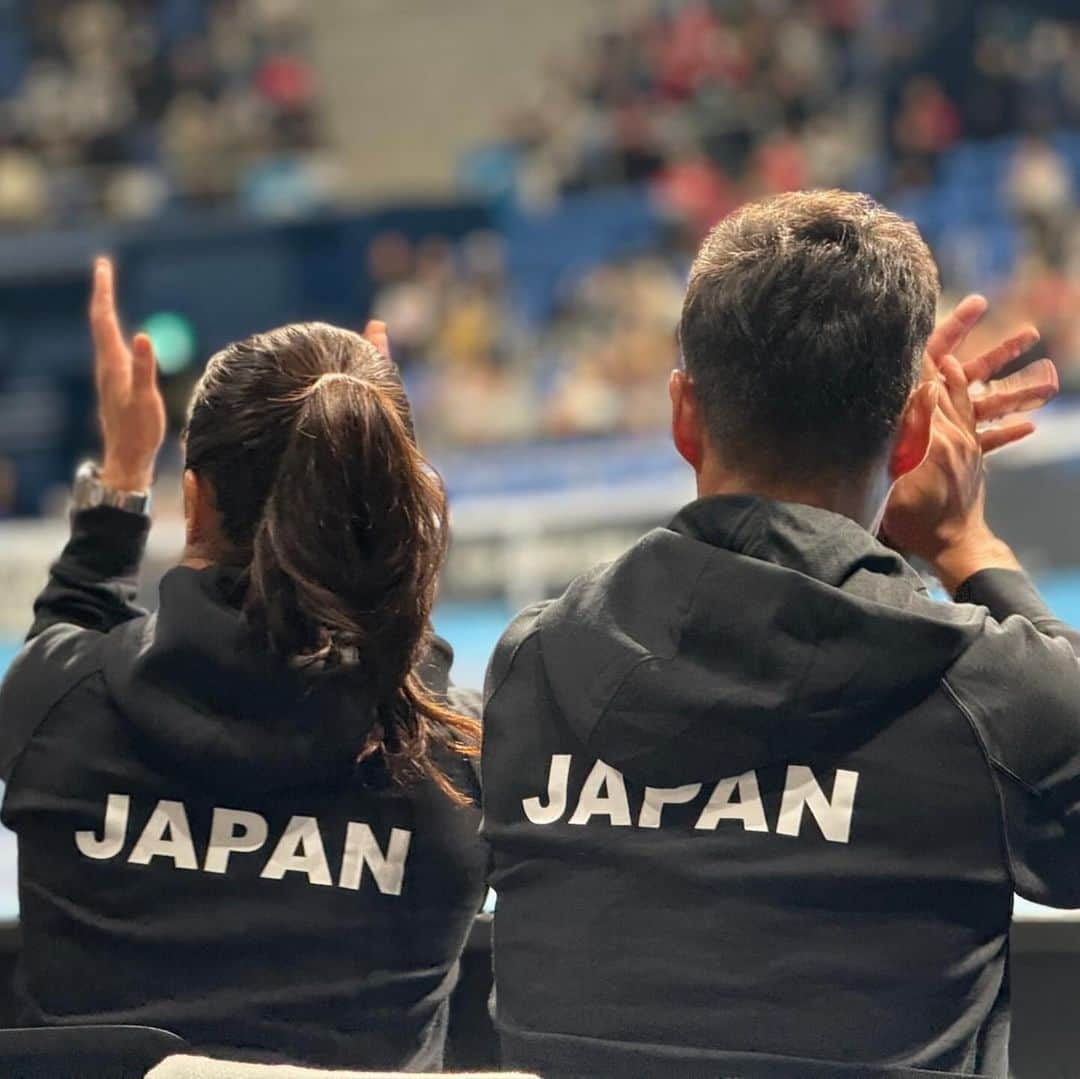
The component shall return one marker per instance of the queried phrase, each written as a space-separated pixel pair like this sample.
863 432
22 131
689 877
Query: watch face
88 470
87 493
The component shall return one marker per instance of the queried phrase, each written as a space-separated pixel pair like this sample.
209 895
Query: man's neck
199 554
194 560
853 498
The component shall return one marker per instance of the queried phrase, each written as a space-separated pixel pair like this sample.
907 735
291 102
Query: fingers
956 387
950 334
996 438
143 365
375 332
110 352
984 367
1023 391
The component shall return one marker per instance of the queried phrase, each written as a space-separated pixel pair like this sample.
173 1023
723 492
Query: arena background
517 189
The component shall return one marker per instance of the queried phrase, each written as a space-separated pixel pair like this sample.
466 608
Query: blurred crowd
478 374
956 114
711 102
716 101
125 108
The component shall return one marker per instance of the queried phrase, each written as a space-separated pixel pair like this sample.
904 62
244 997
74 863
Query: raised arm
1018 687
92 584
91 587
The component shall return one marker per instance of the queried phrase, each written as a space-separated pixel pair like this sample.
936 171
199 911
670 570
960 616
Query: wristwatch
91 492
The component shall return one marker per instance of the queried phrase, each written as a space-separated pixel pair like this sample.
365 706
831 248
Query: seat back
89 1052
563 1056
196 1067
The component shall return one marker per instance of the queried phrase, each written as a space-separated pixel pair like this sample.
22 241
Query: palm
130 405
1028 389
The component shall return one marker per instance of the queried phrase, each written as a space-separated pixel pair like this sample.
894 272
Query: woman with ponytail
249 817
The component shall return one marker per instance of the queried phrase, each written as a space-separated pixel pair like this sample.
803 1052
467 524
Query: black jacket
198 849
748 788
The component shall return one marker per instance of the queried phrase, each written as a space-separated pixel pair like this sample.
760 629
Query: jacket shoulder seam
992 760
993 765
487 698
46 715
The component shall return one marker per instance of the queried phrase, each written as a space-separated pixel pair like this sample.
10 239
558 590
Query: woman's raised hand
130 406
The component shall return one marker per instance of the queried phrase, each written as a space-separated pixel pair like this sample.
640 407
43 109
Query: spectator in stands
8 488
749 789
23 187
1039 187
925 127
780 164
1053 298
249 817
616 346
695 192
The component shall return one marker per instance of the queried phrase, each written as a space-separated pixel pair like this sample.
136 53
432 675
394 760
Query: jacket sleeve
1019 688
507 699
1005 592
92 583
91 590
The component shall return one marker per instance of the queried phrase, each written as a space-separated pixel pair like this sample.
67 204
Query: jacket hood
745 634
202 700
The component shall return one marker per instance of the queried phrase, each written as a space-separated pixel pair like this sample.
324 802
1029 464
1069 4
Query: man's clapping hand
994 399
937 511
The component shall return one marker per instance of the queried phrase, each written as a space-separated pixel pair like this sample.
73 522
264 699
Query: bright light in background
173 337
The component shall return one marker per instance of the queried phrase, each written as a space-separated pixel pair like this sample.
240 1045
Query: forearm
92 584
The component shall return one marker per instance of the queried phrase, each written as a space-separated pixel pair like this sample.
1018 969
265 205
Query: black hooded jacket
198 849
750 789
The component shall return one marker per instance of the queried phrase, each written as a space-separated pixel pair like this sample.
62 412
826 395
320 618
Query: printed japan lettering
300 848
603 797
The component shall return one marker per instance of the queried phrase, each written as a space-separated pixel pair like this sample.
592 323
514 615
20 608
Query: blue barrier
474 628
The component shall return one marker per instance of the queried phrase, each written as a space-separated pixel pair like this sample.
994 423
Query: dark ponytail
306 435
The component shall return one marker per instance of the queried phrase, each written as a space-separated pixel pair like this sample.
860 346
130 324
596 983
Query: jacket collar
819 543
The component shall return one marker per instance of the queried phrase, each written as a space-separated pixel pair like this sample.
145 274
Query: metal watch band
90 492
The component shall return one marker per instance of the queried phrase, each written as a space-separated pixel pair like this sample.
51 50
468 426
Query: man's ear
912 442
687 428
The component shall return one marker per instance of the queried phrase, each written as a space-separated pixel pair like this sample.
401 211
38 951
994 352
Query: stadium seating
85 1052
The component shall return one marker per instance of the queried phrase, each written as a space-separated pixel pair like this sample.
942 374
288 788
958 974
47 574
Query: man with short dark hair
749 789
